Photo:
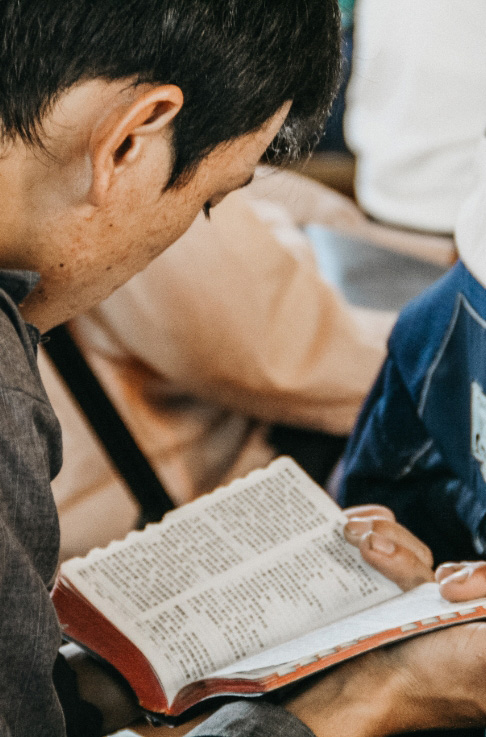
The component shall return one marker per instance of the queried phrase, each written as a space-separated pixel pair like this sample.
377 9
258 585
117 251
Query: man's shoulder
25 407
18 341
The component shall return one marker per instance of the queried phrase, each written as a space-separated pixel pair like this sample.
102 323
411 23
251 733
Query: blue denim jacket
419 445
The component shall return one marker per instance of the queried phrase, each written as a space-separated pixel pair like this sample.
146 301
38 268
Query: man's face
92 256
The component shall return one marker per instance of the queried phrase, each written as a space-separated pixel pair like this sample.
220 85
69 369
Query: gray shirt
251 719
30 455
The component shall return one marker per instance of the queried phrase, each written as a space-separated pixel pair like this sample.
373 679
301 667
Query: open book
239 592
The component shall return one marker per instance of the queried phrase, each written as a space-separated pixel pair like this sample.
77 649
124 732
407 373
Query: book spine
90 629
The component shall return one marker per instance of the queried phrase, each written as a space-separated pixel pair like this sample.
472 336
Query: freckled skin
86 217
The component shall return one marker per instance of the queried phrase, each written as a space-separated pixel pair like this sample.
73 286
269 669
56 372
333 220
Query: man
120 121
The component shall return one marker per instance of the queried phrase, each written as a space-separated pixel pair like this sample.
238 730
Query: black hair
236 62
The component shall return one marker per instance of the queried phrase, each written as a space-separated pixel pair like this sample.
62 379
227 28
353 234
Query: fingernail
458 577
447 569
381 544
357 527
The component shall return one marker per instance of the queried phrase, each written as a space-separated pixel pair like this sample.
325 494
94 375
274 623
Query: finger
447 569
369 510
467 581
390 530
397 562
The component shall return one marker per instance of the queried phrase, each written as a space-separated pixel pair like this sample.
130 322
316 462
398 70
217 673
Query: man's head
104 100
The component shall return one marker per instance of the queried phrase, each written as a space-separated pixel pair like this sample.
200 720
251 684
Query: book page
422 603
234 573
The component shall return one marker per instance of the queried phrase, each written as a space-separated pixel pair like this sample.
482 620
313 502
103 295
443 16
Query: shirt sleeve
247 719
391 459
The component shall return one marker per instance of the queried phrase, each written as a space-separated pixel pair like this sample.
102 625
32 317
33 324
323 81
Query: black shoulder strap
108 425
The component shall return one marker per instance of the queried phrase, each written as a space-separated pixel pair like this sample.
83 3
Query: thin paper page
238 571
421 603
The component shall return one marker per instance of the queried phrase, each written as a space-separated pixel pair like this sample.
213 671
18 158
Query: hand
427 682
97 686
389 547
436 680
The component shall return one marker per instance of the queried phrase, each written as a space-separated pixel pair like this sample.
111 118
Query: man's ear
116 142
